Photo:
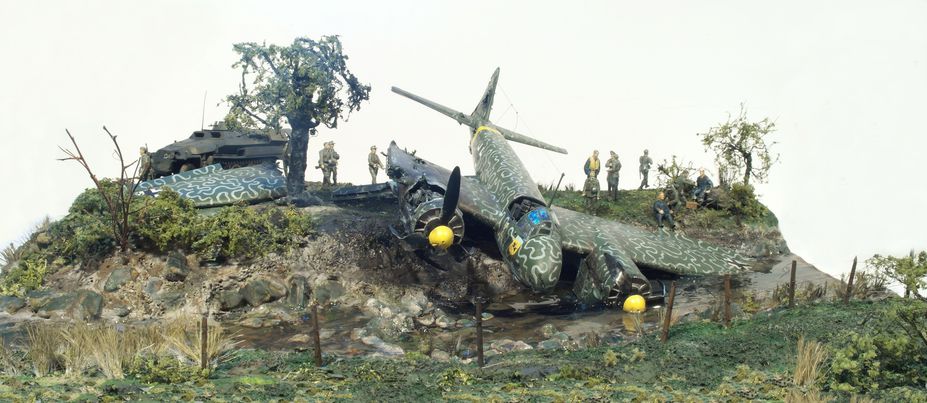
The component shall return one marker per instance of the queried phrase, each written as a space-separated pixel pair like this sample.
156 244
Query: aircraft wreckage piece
531 236
212 186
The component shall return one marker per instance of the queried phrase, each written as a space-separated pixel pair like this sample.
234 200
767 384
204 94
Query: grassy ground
752 360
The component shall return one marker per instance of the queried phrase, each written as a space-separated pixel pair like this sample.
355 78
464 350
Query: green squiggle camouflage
223 187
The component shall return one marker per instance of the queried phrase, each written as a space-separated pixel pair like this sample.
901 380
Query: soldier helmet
373 147
646 151
613 153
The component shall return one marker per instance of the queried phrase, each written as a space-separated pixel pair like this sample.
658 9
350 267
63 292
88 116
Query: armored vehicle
230 148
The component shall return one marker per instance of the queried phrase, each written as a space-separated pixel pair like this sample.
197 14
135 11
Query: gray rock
230 299
506 345
414 304
441 356
327 291
11 304
443 321
265 318
177 267
170 299
117 279
548 330
298 292
38 298
82 305
465 323
262 290
382 347
121 311
153 285
550 344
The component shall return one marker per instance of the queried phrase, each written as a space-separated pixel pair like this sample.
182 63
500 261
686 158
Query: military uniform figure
613 165
702 186
593 165
328 162
645 162
373 164
144 164
591 191
662 212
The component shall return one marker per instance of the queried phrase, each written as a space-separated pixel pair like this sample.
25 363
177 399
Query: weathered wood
792 285
727 300
846 297
316 340
479 333
668 316
204 341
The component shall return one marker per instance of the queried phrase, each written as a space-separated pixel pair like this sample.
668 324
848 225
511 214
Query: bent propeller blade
451 196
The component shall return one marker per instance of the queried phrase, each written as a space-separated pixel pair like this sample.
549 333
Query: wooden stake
846 298
479 333
727 300
668 316
315 335
204 343
792 285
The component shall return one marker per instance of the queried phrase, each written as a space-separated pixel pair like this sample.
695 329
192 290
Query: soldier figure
613 165
644 168
662 212
592 166
144 164
591 191
373 164
702 186
328 163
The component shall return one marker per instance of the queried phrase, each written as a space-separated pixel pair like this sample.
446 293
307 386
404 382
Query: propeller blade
451 196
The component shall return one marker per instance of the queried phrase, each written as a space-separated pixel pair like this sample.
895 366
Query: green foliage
454 377
164 369
239 231
677 173
740 200
610 358
910 271
741 145
28 275
167 220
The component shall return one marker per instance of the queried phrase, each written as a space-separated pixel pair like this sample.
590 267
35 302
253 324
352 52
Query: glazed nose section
539 262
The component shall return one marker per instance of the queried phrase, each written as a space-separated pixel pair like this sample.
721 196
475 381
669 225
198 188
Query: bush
164 369
239 231
28 275
167 220
741 201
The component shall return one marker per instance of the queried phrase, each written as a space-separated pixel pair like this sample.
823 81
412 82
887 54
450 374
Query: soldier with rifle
144 164
328 163
373 164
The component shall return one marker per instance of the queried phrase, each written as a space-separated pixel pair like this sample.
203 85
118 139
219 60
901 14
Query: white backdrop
846 82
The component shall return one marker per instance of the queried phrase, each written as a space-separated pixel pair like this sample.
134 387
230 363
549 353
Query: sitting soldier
591 191
662 212
703 185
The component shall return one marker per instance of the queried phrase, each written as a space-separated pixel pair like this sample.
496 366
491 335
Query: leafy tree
911 271
303 85
742 145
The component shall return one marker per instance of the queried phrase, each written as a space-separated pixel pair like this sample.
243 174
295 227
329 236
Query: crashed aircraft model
533 237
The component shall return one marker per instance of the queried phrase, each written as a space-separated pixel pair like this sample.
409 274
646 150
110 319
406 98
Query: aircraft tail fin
480 115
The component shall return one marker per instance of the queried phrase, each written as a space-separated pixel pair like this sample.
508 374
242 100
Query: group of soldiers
613 167
328 163
662 210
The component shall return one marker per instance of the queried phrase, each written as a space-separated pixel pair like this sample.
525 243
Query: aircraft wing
475 200
669 252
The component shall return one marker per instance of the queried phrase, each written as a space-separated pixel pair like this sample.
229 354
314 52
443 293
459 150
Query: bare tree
118 204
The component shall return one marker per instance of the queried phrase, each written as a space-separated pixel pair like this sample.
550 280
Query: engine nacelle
421 211
607 275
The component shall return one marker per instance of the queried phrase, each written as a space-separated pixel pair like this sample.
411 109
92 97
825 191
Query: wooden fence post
846 298
727 300
204 343
668 316
479 333
792 285
316 340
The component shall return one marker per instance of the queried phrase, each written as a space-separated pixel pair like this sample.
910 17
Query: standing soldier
592 166
644 169
373 164
613 165
591 192
333 162
144 164
328 163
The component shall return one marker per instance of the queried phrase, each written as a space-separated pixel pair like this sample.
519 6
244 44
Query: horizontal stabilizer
460 117
521 138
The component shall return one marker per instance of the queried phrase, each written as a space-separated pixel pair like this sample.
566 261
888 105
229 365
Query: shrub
28 275
741 201
166 221
164 369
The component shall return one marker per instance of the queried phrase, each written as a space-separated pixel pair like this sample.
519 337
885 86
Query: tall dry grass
42 352
75 351
9 362
813 395
811 355
183 336
114 348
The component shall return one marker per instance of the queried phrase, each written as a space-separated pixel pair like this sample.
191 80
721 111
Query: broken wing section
406 170
670 252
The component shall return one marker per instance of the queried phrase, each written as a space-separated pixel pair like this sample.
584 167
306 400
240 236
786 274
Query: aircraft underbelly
500 170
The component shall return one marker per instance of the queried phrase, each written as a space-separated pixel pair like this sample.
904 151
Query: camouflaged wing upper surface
212 186
500 169
475 199
668 252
